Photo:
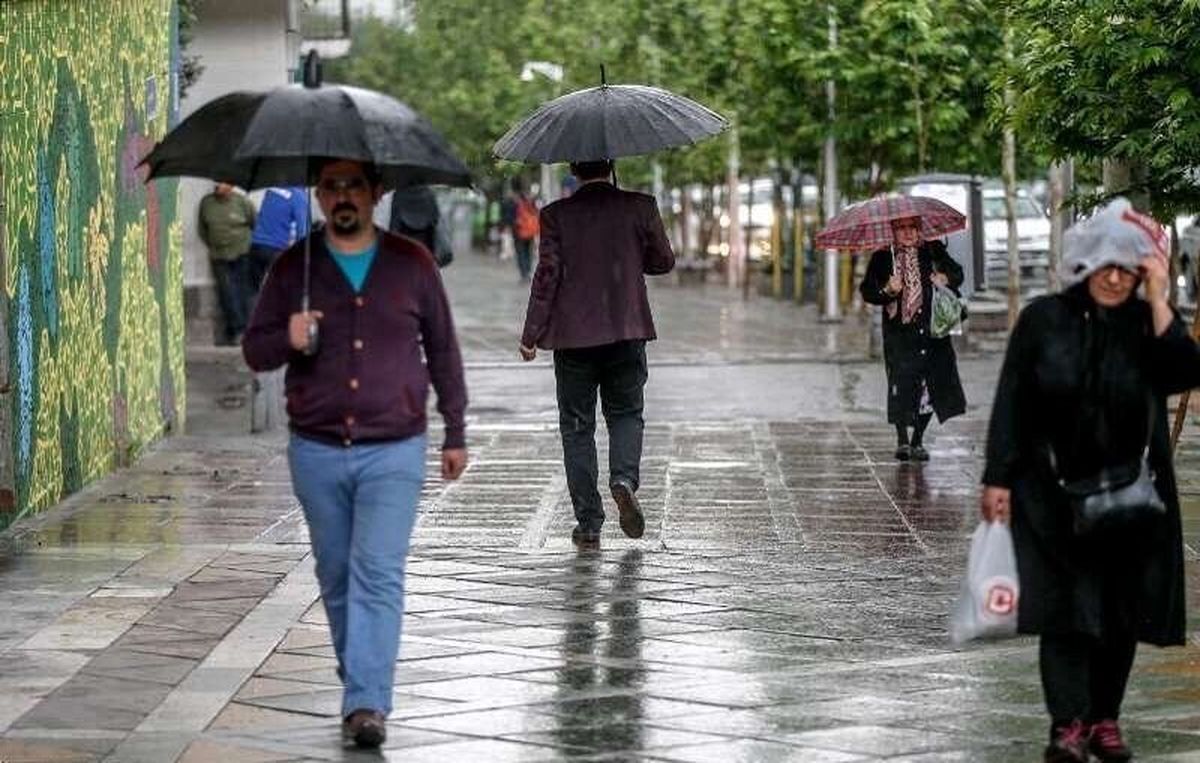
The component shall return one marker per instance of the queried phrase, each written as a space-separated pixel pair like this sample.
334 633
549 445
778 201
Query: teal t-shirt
355 265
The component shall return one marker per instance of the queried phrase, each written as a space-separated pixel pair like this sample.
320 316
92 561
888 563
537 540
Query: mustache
345 206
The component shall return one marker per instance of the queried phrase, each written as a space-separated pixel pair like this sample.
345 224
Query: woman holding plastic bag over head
922 370
1078 459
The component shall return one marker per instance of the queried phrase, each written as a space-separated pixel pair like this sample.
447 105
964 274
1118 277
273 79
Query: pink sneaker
1069 744
1106 743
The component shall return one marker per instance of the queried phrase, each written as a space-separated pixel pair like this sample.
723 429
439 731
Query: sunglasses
339 185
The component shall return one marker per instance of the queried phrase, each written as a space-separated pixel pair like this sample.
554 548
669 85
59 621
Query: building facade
91 268
242 45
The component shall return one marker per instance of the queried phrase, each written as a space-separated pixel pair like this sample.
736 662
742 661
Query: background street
788 601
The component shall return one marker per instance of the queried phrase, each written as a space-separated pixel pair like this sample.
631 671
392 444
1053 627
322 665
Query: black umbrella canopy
609 122
257 140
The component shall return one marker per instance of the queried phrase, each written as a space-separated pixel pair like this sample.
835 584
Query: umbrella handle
314 337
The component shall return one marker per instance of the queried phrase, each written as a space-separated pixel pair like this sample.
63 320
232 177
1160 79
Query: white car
1033 239
1033 227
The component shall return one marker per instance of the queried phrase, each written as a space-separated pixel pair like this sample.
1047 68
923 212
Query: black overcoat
910 354
1091 384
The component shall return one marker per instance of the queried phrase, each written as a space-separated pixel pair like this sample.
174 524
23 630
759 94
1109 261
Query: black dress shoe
366 727
633 524
585 540
919 453
903 453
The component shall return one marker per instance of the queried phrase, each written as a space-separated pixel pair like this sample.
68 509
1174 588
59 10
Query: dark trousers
258 262
618 371
524 249
230 276
1084 677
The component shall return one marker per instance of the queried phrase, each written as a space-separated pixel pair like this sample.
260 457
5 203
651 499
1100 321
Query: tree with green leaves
1115 81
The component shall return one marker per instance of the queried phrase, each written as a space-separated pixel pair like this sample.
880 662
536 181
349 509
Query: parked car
1033 239
1188 228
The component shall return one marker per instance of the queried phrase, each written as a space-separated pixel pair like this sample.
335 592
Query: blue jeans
361 504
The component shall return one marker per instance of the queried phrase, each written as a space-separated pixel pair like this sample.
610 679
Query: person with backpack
520 216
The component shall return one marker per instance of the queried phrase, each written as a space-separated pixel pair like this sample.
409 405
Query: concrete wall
242 45
90 259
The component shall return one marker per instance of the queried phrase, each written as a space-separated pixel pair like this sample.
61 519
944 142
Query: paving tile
208 751
787 603
29 751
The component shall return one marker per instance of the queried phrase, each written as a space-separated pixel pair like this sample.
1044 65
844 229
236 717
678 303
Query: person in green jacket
225 223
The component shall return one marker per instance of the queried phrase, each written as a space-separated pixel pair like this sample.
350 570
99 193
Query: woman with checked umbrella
922 370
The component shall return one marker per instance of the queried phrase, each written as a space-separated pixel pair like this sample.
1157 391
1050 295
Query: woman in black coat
922 371
1086 378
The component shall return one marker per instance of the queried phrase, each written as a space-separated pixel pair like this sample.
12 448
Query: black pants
258 262
1085 678
524 249
619 372
230 276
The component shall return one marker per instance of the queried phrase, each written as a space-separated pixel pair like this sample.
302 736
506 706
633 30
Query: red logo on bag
1001 599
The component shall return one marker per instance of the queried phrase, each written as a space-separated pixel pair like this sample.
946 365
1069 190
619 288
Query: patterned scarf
911 293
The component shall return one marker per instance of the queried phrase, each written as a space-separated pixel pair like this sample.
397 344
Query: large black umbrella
257 140
608 122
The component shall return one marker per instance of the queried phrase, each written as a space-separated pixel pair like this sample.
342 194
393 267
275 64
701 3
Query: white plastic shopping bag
987 604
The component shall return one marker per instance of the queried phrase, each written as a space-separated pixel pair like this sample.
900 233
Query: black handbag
1118 497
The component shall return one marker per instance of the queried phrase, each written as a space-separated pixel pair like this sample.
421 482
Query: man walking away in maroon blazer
356 409
588 304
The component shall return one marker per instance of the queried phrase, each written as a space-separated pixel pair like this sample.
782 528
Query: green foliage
190 67
1114 79
915 78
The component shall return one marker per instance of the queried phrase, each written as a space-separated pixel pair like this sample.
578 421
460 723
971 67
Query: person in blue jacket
282 219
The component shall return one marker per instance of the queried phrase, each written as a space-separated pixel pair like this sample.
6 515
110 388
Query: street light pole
554 73
832 310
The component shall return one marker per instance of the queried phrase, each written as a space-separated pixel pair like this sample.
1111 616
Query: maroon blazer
379 348
589 289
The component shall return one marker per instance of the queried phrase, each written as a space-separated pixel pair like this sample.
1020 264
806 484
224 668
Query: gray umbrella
608 122
257 140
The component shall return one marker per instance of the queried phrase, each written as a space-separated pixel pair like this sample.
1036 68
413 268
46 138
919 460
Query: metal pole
832 310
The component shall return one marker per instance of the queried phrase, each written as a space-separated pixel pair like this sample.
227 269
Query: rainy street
788 601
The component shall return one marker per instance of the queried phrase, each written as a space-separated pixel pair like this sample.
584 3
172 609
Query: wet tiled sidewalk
788 602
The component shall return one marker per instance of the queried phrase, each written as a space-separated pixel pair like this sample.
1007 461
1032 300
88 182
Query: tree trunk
1058 194
1010 204
737 254
708 221
748 235
832 310
1010 193
1126 178
799 260
919 111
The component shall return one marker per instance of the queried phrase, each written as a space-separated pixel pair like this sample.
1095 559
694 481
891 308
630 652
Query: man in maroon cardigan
357 416
588 303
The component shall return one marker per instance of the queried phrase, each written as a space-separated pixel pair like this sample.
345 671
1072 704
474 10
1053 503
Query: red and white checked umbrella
868 224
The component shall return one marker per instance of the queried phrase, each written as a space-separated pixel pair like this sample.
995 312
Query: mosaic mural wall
90 257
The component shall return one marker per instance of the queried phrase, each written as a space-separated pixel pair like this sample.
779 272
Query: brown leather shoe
366 728
633 524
